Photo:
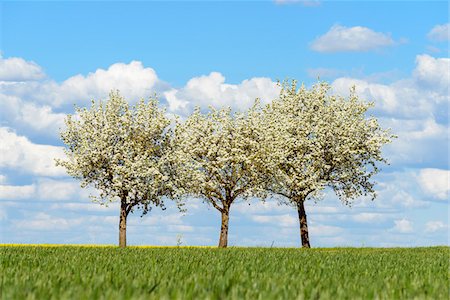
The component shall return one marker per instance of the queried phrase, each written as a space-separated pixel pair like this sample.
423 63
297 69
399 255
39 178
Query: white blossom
215 156
120 151
313 139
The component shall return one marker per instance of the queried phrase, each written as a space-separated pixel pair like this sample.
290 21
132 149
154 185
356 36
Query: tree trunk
303 224
223 240
123 225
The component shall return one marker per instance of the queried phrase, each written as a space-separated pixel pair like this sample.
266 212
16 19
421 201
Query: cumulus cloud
48 99
11 192
435 182
159 220
19 153
432 73
257 206
416 108
212 90
51 189
133 80
38 118
402 226
420 143
355 39
425 93
18 69
45 189
434 226
40 105
397 191
82 207
439 33
285 220
288 224
324 230
384 95
369 217
45 222
3 215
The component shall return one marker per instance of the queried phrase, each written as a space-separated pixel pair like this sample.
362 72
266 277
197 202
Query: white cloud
416 108
42 221
356 39
396 192
405 199
45 189
402 226
432 73
439 33
133 80
369 217
32 104
384 95
85 206
324 230
3 179
424 94
257 206
180 228
49 189
21 154
158 220
435 182
320 209
419 142
40 118
434 226
11 192
18 69
26 100
3 215
278 220
212 90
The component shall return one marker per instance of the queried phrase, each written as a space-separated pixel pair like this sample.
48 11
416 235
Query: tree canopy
216 159
119 150
314 139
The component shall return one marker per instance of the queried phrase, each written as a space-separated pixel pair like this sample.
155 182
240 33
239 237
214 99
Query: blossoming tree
313 139
215 155
119 150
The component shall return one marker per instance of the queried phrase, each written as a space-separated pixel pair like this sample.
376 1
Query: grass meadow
80 272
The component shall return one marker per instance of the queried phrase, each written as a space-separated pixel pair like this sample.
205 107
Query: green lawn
72 272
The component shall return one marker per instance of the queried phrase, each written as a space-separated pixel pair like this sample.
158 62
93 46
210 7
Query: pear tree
119 150
215 156
313 140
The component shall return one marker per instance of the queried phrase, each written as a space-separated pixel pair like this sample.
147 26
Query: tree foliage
314 139
119 150
216 159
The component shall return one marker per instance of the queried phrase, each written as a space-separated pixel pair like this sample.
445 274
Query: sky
54 55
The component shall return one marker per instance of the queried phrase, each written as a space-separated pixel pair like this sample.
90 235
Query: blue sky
57 54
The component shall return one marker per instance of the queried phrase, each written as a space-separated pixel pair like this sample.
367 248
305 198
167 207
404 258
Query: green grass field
72 272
